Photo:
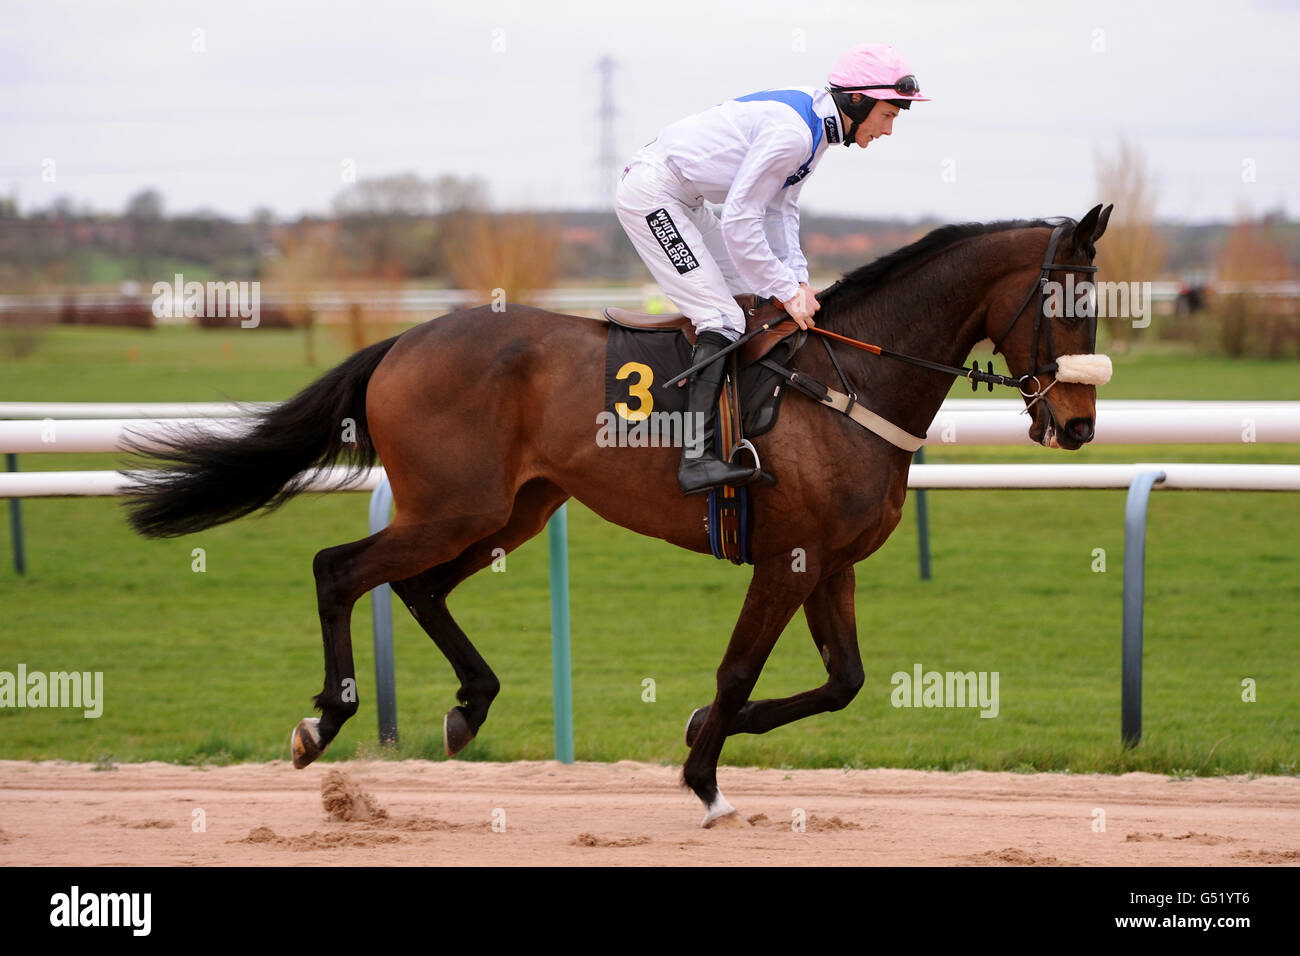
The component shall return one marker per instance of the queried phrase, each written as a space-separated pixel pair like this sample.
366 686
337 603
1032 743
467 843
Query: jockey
751 155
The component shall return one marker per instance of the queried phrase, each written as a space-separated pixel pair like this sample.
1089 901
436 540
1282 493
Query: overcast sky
269 101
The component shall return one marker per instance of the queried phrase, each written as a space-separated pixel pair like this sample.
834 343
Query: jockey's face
879 122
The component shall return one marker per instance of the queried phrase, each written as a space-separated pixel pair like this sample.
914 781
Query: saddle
758 311
646 349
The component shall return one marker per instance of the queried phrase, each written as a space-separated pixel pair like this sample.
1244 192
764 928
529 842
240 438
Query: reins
975 374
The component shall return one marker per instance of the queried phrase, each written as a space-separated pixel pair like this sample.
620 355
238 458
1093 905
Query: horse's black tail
207 480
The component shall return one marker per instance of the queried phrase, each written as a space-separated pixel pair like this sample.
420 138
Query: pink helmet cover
869 64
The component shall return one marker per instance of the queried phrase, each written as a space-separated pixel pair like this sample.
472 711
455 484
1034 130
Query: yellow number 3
639 390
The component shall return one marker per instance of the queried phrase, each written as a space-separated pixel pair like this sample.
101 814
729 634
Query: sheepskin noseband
1084 369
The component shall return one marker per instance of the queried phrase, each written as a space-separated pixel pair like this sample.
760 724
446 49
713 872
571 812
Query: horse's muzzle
1048 432
1080 429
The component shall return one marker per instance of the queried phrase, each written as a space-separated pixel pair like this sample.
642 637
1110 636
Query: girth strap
850 407
873 422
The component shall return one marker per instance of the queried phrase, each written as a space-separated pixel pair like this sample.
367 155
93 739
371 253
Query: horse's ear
1102 221
1085 230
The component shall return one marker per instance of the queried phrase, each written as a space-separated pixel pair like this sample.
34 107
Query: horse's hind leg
425 596
831 620
343 575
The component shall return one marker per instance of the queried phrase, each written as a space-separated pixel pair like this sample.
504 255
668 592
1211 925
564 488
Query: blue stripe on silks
801 103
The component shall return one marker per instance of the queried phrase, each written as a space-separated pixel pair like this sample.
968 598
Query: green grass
218 666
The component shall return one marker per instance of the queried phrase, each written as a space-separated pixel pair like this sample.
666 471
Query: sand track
544 813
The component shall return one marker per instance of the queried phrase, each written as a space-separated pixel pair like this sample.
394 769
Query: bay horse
486 422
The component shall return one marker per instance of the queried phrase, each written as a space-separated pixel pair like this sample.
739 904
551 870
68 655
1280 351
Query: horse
484 420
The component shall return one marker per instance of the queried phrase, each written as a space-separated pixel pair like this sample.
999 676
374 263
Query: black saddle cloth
637 362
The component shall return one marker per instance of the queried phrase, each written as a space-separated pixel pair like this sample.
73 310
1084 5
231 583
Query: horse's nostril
1080 428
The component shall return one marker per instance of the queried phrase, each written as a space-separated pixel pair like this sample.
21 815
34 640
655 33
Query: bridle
975 374
1042 322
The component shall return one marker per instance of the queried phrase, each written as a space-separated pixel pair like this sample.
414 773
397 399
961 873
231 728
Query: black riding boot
707 470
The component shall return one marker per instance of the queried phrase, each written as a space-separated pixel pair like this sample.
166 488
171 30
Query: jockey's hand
802 305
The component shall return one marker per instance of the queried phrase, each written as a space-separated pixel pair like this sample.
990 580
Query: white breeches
680 240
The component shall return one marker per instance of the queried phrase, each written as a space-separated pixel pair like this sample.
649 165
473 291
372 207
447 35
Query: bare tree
308 260
148 229
503 257
1249 321
453 194
404 194
145 206
389 227
1131 250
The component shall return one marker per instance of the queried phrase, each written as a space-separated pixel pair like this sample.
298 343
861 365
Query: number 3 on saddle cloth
645 350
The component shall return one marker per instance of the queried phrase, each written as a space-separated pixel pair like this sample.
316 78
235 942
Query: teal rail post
381 502
557 530
922 523
16 522
1135 556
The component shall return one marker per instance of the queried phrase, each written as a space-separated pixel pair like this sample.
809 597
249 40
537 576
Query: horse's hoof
694 723
305 743
723 816
456 731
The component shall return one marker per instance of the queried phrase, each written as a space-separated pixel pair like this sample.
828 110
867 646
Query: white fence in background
1181 476
44 428
959 422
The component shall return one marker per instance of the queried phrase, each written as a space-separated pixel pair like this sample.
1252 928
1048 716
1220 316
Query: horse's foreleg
343 575
425 596
829 610
773 597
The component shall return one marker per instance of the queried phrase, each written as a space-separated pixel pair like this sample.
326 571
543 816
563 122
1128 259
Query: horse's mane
923 250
